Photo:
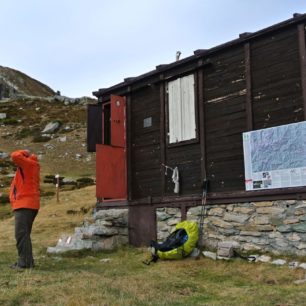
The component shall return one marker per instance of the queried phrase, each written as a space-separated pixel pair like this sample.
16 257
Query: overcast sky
79 46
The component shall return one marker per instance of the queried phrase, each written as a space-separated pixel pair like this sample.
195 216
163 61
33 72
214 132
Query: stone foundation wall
166 219
106 230
277 227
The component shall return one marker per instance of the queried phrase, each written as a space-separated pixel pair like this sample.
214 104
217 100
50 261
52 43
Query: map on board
275 157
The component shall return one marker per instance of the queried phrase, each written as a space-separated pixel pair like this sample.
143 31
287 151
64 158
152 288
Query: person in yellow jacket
25 201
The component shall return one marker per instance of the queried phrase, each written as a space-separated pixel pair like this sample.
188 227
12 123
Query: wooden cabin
191 114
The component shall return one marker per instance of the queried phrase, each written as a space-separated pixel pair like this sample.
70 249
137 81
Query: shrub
40 138
10 121
26 132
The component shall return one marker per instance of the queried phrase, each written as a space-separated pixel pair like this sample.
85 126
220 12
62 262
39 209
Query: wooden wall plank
302 54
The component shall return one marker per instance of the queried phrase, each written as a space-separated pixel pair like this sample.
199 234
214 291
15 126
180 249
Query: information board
275 157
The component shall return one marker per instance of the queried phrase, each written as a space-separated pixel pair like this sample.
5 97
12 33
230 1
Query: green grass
82 279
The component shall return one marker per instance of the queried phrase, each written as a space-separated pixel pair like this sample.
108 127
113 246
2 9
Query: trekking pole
57 187
204 197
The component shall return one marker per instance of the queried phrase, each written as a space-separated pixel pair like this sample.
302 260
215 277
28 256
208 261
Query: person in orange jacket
25 201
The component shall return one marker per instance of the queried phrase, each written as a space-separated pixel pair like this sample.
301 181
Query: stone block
229 244
301 204
103 222
300 212
215 212
108 244
281 243
173 221
260 220
238 218
105 231
293 237
263 204
211 255
244 210
284 229
110 214
163 226
276 221
247 233
172 211
301 246
250 247
265 228
225 252
291 221
221 223
300 228
162 216
273 210
275 235
194 211
228 231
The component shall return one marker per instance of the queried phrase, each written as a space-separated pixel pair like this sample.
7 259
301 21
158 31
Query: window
181 103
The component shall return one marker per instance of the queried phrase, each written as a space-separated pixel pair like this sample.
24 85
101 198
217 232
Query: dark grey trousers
24 219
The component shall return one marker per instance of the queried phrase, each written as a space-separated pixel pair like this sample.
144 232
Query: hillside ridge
16 83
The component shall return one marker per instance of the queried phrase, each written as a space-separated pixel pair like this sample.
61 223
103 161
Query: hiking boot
16 266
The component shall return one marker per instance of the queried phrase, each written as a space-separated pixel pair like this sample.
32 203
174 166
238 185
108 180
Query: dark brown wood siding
188 160
276 80
225 119
145 155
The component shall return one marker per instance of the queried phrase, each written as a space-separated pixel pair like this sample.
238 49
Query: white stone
195 253
264 258
302 265
279 262
2 115
301 246
211 255
50 127
105 260
229 244
250 247
300 281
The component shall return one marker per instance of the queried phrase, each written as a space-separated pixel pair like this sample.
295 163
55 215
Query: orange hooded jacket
24 192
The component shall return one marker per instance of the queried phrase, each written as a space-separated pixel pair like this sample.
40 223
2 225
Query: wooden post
57 187
201 105
162 132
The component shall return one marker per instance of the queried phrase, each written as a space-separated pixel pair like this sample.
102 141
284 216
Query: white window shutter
188 108
175 116
181 109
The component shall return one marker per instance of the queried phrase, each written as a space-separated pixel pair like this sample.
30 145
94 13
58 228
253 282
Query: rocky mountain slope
53 128
15 83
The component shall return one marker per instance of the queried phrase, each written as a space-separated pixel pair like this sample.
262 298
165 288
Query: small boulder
51 127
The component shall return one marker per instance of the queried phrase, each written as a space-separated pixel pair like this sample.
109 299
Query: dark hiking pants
24 219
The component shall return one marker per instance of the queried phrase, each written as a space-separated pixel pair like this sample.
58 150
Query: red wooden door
110 172
118 138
